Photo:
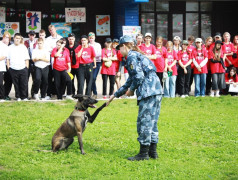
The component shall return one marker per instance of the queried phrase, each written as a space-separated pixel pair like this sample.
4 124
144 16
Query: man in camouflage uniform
143 79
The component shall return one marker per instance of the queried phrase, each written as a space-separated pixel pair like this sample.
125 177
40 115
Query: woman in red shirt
149 49
184 70
87 63
208 46
161 55
228 49
231 78
235 57
117 64
109 56
61 67
200 59
217 69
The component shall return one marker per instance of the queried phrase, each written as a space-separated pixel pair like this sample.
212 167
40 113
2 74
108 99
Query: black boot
152 151
143 154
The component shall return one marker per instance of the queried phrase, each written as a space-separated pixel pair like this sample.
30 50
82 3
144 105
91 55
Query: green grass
198 139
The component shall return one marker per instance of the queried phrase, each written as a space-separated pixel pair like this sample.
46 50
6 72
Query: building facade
159 17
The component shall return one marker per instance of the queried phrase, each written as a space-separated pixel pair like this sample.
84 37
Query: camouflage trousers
149 110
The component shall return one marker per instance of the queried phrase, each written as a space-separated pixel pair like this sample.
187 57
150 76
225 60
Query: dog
75 124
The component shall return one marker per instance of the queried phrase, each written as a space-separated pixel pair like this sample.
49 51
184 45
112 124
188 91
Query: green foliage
198 139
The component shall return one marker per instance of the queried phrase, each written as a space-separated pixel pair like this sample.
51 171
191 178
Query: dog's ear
78 96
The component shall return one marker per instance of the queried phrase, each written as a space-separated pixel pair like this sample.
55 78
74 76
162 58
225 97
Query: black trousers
60 82
2 95
112 82
31 71
7 83
41 80
191 79
75 72
85 74
160 75
208 82
51 84
20 82
68 84
184 80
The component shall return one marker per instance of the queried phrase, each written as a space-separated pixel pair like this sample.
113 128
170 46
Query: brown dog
75 124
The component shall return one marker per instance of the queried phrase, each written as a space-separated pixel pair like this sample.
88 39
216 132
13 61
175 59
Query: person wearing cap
184 70
149 49
109 56
87 63
18 64
71 46
177 41
228 50
161 55
215 57
143 80
170 67
98 51
200 58
118 64
50 44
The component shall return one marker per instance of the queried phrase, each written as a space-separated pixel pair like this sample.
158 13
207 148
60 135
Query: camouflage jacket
142 77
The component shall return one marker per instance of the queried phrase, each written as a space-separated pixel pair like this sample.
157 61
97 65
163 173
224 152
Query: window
147 23
192 24
206 6
162 6
162 25
191 6
147 6
205 25
178 25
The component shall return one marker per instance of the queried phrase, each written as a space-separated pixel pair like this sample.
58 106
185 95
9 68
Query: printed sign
2 14
131 30
74 15
11 27
103 25
63 29
33 21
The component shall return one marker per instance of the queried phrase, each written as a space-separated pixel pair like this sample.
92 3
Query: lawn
198 139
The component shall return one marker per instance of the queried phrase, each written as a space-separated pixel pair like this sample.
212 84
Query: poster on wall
63 29
131 30
75 15
103 25
2 14
33 21
11 27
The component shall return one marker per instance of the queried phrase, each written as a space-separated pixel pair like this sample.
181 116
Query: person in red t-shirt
228 49
170 66
149 49
190 49
109 56
61 67
231 78
215 57
117 64
184 70
161 55
200 59
87 63
235 57
139 42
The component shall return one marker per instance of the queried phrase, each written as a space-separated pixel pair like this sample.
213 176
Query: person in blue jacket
143 80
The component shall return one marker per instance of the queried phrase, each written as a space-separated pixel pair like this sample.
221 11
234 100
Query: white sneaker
18 99
182 96
47 98
25 99
212 94
43 99
217 94
186 95
2 100
36 96
69 97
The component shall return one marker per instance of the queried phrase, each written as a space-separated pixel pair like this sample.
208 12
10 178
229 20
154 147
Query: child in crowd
117 64
177 42
184 70
139 42
161 55
235 57
149 49
200 59
170 66
108 67
231 78
228 49
217 69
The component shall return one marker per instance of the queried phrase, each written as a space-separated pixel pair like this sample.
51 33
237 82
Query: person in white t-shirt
3 57
18 64
50 43
41 58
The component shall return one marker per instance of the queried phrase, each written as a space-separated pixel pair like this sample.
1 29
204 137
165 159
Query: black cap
108 40
84 36
217 34
115 40
32 32
218 42
71 35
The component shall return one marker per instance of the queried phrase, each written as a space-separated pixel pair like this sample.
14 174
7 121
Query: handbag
108 63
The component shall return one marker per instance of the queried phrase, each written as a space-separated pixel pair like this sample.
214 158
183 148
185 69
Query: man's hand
129 93
110 100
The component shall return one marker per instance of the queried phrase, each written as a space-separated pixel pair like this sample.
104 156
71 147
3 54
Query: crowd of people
54 63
